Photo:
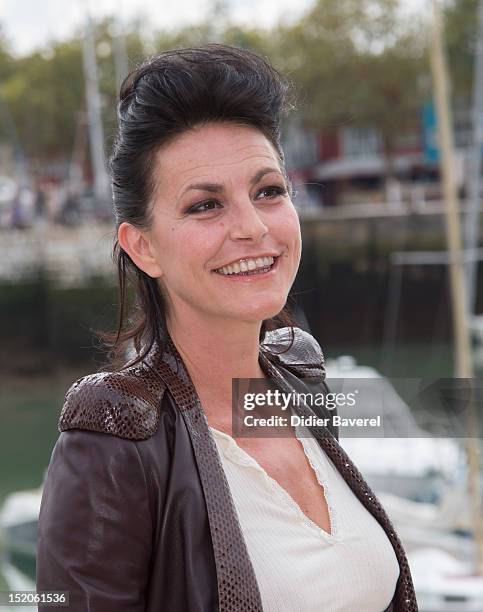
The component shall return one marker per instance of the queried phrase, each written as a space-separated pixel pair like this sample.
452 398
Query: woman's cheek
294 235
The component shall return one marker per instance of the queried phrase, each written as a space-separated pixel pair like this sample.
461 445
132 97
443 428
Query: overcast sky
30 24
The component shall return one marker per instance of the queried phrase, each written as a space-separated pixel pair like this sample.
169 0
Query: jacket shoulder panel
304 357
125 403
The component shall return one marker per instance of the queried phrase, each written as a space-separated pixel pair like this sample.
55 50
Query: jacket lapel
237 584
405 594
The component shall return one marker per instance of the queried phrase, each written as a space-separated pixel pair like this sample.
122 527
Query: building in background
346 164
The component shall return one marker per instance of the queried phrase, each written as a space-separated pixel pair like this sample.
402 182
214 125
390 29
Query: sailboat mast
121 64
472 224
464 365
453 230
93 103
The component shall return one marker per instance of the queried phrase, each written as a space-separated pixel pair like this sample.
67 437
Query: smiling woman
150 502
216 193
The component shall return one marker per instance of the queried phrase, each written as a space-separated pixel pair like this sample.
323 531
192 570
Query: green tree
44 95
356 61
45 91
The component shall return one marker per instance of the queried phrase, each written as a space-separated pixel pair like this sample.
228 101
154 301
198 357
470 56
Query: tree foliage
44 92
355 61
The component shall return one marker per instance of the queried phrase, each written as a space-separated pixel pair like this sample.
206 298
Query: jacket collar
167 363
235 573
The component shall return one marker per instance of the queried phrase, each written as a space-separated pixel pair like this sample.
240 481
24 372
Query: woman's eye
274 191
203 206
210 205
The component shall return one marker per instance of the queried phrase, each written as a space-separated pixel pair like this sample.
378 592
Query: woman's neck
213 356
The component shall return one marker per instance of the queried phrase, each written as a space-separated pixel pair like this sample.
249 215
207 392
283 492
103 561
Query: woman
149 502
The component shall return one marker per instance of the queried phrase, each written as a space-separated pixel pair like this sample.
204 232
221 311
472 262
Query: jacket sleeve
95 524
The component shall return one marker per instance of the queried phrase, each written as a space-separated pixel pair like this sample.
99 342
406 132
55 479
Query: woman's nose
246 223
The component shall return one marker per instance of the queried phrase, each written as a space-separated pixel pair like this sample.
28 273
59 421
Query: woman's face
221 206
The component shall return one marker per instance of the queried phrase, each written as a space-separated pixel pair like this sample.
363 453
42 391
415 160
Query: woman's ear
137 245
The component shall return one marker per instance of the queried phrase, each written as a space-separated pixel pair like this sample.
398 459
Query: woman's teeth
244 266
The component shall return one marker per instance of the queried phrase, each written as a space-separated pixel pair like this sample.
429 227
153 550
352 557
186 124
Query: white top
300 567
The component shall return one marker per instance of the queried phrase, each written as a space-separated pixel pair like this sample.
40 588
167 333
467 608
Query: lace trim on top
237 455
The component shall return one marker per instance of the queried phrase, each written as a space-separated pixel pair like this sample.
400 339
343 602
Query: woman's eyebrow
261 173
217 187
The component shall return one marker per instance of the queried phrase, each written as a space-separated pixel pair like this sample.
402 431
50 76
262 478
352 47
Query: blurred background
384 153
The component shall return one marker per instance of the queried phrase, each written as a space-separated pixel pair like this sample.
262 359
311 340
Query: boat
18 529
444 583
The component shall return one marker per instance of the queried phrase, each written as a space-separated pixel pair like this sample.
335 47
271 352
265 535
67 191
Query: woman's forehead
215 152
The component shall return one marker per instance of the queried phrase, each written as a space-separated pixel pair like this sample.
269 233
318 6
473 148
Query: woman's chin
260 312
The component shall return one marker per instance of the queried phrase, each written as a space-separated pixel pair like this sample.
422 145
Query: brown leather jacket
136 511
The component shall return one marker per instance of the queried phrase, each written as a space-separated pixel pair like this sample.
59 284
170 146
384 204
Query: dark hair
168 95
